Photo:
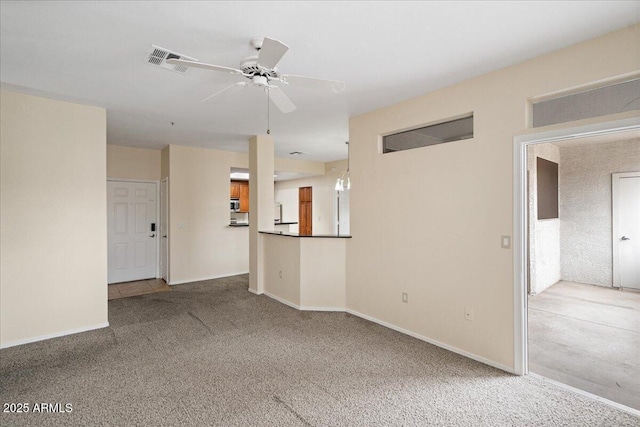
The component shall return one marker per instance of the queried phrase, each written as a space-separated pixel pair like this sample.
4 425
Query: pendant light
344 179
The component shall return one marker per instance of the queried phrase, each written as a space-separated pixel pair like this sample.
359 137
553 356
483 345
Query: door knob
164 237
625 238
153 235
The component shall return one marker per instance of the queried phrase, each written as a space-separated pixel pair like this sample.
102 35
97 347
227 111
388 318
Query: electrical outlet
405 297
468 313
280 273
505 242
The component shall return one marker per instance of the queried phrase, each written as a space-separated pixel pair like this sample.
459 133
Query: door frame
520 220
615 199
168 228
157 183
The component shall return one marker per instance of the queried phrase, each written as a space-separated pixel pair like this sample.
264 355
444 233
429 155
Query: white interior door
132 242
626 230
164 229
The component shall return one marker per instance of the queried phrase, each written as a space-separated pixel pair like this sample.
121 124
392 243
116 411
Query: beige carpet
211 353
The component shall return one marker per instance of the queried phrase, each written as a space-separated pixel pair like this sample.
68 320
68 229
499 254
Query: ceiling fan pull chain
268 119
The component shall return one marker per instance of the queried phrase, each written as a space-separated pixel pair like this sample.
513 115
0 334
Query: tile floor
587 337
141 287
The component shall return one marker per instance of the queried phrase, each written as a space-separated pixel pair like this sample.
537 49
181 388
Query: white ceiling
91 52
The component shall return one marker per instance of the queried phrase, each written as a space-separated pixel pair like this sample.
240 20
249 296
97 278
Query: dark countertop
286 234
246 224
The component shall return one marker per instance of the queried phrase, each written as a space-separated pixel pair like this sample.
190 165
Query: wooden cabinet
240 190
235 190
244 197
305 211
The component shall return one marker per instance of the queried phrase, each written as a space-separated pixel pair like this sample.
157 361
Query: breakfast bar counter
305 272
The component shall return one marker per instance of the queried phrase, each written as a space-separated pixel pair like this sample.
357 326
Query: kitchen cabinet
235 190
244 197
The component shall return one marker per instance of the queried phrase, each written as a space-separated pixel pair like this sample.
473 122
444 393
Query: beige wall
133 163
53 246
324 198
201 243
322 273
282 268
307 273
445 249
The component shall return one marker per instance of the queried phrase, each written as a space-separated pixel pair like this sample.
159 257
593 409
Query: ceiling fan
261 71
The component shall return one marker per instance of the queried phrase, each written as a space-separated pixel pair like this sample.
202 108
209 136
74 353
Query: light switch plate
505 242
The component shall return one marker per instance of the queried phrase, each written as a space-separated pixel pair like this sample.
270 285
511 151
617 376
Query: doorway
131 231
305 211
562 292
626 230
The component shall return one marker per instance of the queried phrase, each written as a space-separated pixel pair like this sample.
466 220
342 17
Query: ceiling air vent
159 55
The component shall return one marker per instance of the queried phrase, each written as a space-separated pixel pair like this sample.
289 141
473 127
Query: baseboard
182 282
311 308
54 335
282 300
398 329
616 405
255 292
434 342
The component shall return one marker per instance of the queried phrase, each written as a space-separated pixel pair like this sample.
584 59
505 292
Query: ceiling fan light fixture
344 179
261 70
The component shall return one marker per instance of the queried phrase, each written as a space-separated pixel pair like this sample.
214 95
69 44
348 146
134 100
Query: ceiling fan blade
281 100
334 85
196 64
271 52
230 89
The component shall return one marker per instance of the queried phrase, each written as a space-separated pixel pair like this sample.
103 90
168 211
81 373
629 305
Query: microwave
235 205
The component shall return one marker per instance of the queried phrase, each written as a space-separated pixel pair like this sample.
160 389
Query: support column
261 167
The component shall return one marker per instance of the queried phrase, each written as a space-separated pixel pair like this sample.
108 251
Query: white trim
166 261
432 341
520 143
395 328
282 300
181 282
616 405
312 308
615 199
519 241
55 335
300 307
253 291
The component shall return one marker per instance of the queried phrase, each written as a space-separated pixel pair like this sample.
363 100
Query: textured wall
585 207
544 235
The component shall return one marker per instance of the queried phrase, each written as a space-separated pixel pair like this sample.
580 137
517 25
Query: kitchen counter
246 224
308 274
288 234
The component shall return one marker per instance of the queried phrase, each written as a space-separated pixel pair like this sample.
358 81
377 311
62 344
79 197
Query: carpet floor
211 353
